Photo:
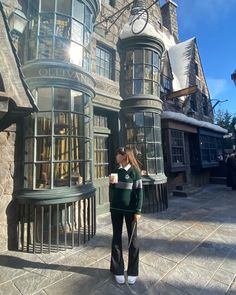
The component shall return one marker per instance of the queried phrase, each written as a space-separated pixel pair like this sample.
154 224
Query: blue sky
212 22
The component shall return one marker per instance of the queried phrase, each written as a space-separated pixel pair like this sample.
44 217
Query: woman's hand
137 217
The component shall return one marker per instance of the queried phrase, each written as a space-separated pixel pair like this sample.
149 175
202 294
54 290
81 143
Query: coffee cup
113 177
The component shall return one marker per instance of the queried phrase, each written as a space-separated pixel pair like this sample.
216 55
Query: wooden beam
182 92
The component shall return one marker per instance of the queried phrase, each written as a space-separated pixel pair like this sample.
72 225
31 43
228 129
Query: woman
126 197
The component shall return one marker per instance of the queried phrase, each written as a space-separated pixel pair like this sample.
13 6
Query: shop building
101 76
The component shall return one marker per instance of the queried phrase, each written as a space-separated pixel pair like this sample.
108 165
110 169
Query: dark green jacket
126 196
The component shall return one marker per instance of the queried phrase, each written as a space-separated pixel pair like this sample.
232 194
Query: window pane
78 11
151 164
150 150
155 59
76 177
76 54
157 134
47 5
44 101
61 123
148 56
77 126
62 26
155 74
138 87
149 121
77 147
138 71
61 174
139 120
43 173
104 62
64 6
147 87
76 101
148 72
88 18
77 32
61 99
61 149
138 56
44 123
87 40
47 24
149 134
43 149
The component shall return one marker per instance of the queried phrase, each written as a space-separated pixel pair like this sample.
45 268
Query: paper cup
113 178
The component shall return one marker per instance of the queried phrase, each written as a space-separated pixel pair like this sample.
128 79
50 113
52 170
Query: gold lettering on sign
65 73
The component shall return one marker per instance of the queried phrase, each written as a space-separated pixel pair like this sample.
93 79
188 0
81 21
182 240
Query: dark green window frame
142 72
177 147
60 34
105 61
143 135
58 140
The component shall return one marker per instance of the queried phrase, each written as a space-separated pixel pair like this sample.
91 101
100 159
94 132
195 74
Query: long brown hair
130 156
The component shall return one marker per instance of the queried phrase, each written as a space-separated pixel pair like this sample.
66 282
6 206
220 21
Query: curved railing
56 220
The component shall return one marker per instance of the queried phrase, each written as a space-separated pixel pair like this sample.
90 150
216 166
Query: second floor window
205 105
104 62
193 103
167 84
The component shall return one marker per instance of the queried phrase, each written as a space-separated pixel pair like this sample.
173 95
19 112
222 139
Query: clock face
139 22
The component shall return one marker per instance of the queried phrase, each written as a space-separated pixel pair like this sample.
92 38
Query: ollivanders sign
58 72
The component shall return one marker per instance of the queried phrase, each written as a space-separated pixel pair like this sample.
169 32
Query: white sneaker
120 279
131 280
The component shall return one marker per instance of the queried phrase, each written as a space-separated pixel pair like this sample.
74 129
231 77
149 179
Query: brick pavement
188 249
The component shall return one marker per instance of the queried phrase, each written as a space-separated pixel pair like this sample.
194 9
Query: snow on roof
149 30
167 38
180 58
185 119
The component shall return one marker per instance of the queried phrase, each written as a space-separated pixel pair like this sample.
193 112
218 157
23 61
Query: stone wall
7 172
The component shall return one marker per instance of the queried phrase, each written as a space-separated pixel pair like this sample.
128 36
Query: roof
15 88
191 121
180 58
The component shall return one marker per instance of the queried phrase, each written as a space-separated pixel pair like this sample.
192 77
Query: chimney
169 18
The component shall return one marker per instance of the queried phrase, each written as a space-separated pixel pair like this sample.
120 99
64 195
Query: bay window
58 140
